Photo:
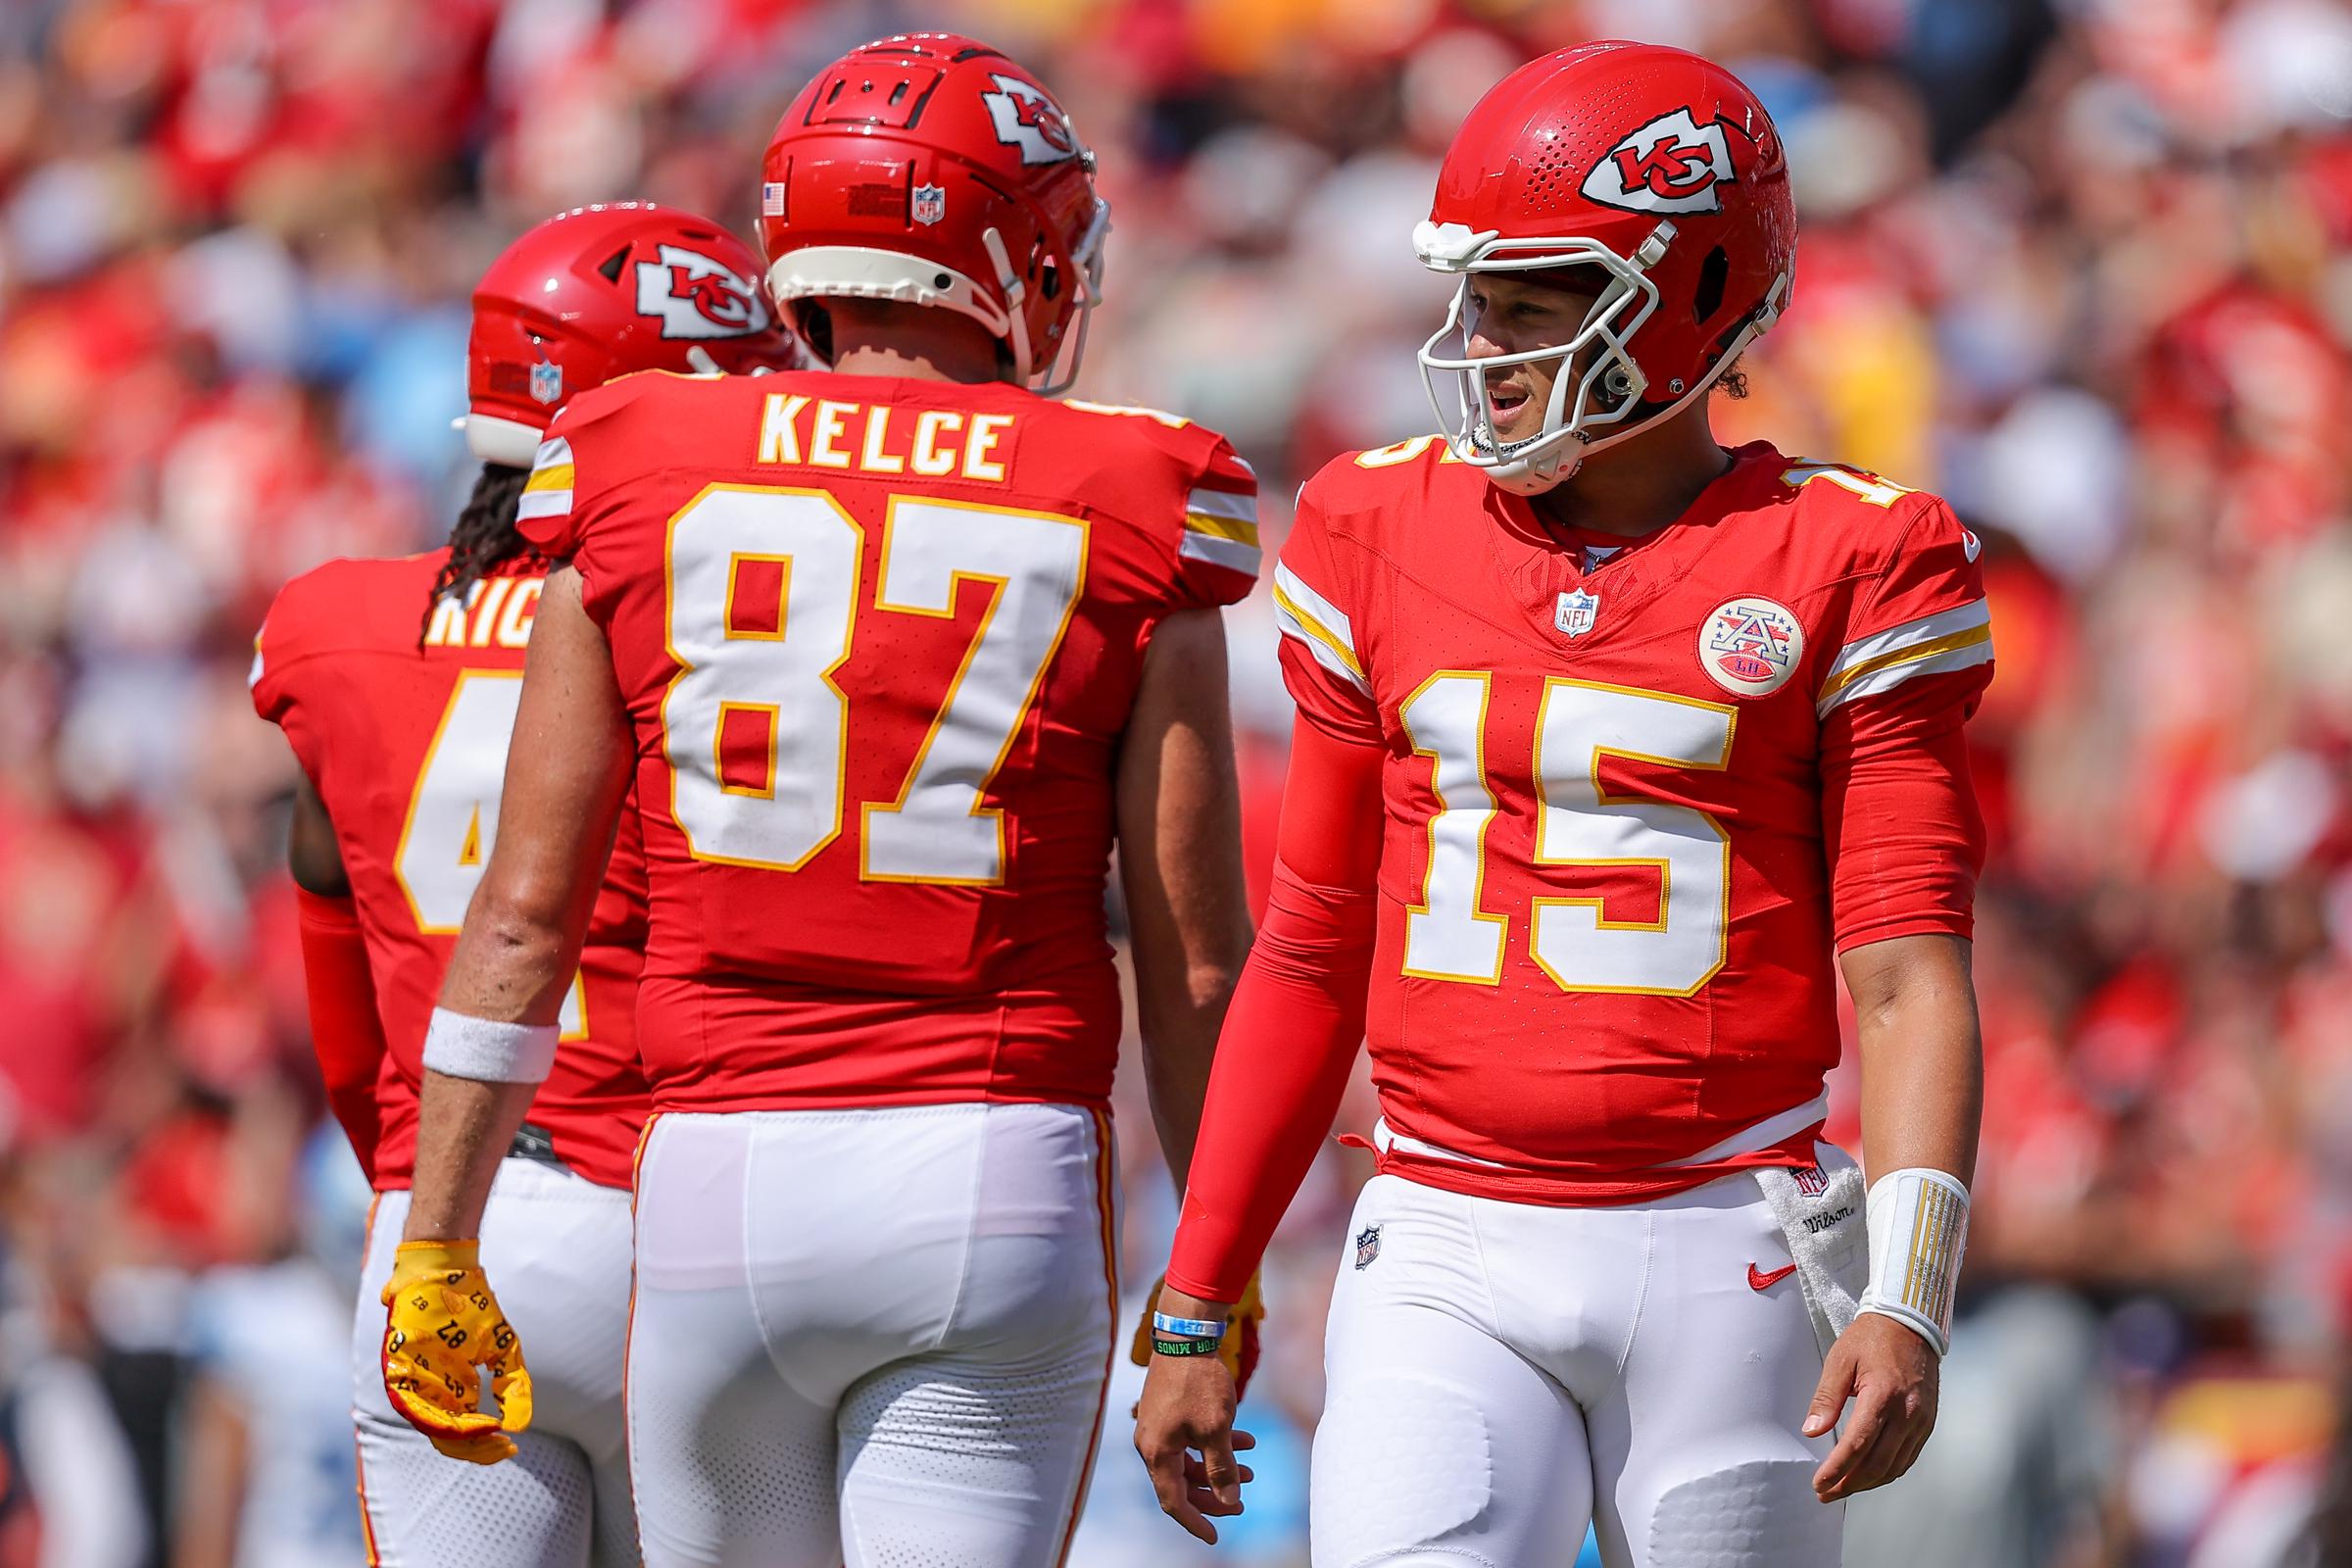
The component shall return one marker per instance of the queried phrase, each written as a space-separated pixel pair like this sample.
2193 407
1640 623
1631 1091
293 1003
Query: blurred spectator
2084 265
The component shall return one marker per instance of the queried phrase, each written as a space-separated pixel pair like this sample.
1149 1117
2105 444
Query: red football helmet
930 168
1655 166
599 292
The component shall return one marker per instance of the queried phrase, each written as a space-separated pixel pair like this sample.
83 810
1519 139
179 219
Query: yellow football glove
442 1324
1238 1349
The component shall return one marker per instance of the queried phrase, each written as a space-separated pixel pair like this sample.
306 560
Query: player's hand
441 1324
1184 1431
1238 1349
1891 1374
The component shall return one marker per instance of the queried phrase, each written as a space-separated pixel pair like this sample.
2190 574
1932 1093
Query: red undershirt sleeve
1900 826
1297 1019
346 1032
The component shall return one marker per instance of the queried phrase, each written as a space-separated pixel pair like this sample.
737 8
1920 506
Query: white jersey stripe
1317 611
1222 504
1926 629
544 503
1976 649
1318 642
1234 555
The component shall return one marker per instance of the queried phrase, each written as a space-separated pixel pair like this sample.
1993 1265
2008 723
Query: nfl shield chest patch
1576 610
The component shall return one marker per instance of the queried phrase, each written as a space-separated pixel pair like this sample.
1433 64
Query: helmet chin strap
1008 280
1532 476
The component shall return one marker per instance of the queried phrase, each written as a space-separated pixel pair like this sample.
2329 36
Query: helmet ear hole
815 324
1713 273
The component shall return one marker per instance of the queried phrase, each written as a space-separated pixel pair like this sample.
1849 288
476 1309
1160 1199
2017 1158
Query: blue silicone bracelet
1190 1328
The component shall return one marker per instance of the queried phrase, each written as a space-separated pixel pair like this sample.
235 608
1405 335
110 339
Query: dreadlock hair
483 539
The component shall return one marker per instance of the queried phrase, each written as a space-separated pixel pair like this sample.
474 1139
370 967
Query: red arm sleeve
345 1029
1297 1019
1899 821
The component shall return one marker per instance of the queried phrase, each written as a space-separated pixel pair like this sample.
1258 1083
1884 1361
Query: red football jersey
879 639
1631 810
407 747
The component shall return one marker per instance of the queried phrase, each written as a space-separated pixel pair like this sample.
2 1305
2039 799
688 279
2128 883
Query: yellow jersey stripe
1906 656
1239 529
1317 630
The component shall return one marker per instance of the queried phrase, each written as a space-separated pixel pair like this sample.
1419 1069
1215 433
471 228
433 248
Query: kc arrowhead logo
1672 164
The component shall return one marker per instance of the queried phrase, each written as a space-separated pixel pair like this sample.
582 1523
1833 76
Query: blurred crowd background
2084 265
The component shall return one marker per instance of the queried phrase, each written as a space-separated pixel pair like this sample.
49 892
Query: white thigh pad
1760 1514
1409 1462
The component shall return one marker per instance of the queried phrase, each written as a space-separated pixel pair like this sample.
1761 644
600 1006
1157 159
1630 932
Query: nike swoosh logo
1758 1280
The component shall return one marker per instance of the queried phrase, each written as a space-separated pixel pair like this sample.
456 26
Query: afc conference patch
1749 645
1367 1246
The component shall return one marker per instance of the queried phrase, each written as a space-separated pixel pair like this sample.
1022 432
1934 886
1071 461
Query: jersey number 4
452 813
763 598
1450 936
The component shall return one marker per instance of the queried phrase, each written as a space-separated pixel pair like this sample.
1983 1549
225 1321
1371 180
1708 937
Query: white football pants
873 1337
1502 1374
556 1248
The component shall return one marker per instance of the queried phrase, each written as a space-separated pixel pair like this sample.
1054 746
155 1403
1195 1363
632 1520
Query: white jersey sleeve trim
1949 639
1301 612
1926 628
1316 622
1231 504
1934 661
1234 555
547 493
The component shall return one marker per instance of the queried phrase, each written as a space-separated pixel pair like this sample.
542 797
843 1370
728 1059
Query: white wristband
463 1046
1918 1234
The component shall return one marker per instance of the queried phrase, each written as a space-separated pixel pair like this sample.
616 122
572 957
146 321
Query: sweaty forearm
1922 1067
1923 1091
512 966
463 1129
1180 1028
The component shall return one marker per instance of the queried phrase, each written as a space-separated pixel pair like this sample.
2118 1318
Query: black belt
533 1143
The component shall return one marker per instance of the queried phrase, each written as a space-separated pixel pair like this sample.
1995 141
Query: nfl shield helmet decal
1367 1246
930 204
1749 645
547 382
1576 611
